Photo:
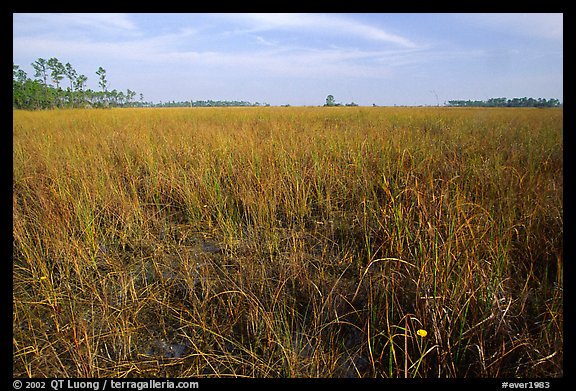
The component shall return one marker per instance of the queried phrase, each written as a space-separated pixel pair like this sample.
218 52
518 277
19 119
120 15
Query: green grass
288 242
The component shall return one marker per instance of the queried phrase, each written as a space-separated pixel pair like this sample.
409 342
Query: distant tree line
504 102
210 103
46 91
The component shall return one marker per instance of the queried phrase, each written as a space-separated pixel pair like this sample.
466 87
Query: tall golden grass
288 242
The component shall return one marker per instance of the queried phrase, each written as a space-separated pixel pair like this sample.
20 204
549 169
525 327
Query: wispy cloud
327 24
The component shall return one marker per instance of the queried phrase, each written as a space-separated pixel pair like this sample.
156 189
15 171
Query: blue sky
298 59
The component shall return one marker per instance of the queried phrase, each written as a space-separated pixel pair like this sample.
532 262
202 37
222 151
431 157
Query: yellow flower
422 333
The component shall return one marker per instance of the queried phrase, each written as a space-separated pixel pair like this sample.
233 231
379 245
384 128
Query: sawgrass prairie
288 242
